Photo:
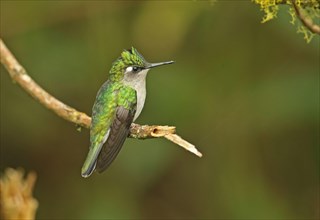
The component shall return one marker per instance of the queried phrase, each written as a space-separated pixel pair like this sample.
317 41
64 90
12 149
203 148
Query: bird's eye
135 69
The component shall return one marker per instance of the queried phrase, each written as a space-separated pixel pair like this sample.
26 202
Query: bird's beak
151 65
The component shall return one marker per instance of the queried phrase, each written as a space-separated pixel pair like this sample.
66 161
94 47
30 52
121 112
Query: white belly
138 83
141 97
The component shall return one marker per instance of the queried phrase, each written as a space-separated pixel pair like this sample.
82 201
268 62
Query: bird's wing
103 113
119 131
112 115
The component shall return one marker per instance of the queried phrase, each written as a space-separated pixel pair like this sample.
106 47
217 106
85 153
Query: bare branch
19 75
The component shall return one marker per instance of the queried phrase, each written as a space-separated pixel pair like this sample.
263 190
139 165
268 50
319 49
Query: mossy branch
302 3
20 76
307 11
306 21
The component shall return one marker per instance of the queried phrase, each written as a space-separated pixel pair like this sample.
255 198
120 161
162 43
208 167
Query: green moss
309 8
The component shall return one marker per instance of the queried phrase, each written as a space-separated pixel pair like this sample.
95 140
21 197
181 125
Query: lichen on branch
307 11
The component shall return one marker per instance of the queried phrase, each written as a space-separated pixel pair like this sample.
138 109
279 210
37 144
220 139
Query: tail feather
91 161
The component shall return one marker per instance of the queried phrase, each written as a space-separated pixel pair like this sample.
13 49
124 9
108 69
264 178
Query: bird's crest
130 57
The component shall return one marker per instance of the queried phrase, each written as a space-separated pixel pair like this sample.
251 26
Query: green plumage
110 96
128 58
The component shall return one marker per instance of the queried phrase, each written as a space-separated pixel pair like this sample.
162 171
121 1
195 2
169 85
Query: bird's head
131 65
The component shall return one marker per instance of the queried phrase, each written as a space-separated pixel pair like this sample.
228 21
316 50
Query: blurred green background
245 93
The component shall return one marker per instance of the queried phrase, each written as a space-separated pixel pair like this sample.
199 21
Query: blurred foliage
246 94
16 200
311 9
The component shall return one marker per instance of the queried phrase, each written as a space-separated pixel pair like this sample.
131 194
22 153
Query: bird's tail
91 160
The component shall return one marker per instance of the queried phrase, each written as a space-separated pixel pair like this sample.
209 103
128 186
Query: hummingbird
118 103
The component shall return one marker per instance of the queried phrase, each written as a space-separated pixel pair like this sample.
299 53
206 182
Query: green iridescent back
109 97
